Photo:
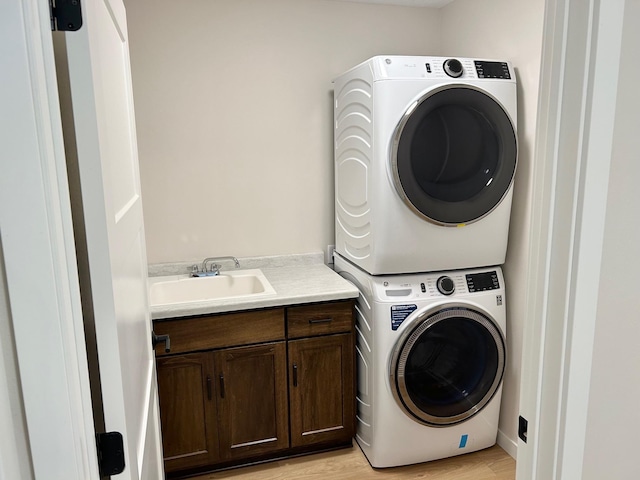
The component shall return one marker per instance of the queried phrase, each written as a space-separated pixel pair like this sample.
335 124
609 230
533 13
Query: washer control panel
481 282
424 286
400 288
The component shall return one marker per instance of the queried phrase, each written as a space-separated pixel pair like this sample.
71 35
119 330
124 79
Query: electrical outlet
328 259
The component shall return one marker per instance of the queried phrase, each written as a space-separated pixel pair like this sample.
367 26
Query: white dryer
425 157
431 356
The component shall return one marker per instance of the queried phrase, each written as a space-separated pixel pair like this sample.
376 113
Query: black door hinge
66 15
110 453
523 426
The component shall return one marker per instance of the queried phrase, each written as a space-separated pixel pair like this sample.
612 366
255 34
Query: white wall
234 114
613 415
507 30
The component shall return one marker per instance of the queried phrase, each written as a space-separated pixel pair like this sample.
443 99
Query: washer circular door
448 365
453 155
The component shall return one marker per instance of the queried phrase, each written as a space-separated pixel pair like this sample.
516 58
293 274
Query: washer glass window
449 366
454 155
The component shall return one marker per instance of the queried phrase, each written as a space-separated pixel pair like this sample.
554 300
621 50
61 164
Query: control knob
453 67
445 285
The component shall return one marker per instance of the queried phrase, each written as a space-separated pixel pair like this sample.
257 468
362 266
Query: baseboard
507 444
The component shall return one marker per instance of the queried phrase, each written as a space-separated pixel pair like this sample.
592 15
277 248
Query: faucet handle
215 267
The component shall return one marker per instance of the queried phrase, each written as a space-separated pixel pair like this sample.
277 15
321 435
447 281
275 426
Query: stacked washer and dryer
425 156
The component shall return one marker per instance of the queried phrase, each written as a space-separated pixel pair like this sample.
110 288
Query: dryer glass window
454 155
449 366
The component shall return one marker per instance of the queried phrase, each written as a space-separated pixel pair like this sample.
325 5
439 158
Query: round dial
445 285
453 67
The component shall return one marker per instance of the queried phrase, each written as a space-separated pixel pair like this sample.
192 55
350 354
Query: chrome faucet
214 268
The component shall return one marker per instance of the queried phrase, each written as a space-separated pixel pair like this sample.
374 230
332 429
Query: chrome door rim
405 343
395 142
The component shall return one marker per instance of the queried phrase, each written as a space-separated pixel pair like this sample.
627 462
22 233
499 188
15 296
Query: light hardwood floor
490 464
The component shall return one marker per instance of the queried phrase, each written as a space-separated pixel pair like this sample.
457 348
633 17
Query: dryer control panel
396 67
498 70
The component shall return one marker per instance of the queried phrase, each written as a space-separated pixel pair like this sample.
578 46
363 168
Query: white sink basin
177 289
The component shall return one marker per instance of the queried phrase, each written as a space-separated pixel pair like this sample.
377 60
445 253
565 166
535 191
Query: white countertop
296 279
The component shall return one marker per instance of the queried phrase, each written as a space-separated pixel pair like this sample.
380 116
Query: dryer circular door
448 365
453 155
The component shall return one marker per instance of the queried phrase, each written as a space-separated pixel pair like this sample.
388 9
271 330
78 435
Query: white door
100 85
578 89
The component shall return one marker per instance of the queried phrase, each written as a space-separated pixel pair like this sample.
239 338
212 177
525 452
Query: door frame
37 242
39 254
578 89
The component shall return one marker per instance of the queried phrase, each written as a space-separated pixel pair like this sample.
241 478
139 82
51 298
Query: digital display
492 70
479 282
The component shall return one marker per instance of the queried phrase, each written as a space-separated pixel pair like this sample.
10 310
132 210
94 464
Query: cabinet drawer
218 331
321 319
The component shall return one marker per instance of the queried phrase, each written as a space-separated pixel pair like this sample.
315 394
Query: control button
453 67
423 288
445 285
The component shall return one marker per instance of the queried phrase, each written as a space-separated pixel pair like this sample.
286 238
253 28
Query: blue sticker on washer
399 314
463 441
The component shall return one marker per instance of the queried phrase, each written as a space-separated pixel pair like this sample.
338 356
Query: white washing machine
430 361
425 157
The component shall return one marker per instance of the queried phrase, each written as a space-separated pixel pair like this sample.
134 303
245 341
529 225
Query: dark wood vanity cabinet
252 385
187 410
321 373
253 413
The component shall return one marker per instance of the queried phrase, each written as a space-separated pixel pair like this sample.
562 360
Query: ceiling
406 3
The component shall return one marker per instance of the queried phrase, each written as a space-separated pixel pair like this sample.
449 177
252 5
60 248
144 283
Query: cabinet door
321 380
252 400
187 410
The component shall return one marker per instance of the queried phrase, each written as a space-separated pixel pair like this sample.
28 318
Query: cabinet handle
221 385
295 375
156 339
209 386
320 320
